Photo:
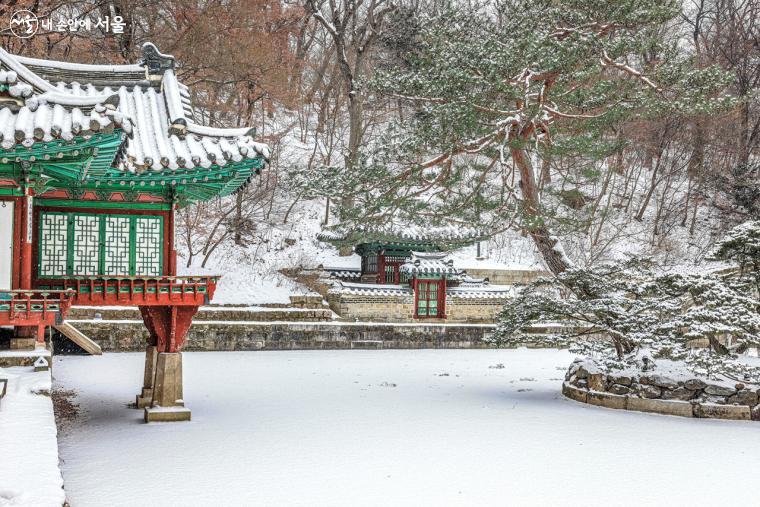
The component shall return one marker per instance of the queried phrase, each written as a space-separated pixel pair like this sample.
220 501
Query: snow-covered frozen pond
391 427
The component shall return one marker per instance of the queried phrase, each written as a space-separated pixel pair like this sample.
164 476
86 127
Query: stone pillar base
166 414
145 398
167 404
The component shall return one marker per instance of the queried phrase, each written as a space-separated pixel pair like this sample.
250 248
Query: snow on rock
29 473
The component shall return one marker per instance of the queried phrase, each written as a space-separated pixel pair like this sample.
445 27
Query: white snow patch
320 428
29 473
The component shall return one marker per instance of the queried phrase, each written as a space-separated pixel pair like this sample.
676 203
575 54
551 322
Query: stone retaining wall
400 308
209 335
212 312
661 395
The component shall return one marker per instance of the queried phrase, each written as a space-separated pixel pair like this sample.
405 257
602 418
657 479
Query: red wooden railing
32 307
139 291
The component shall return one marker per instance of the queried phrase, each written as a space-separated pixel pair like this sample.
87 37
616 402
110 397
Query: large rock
755 413
623 380
573 369
679 393
744 398
581 372
618 389
650 392
596 382
664 382
717 390
694 384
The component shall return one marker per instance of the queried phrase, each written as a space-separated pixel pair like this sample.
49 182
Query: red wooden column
172 267
442 298
26 240
168 326
381 266
24 335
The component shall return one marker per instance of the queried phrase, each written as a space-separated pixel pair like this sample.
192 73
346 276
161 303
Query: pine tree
630 310
491 90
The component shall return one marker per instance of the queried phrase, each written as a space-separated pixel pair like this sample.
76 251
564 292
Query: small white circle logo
24 24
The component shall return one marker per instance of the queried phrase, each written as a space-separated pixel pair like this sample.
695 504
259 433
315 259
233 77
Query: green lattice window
87 244
428 298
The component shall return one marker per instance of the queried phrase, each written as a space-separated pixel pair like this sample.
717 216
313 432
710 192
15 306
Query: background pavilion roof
42 100
443 236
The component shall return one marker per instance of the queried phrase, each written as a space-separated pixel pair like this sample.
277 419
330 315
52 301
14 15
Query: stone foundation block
607 400
167 388
22 343
667 407
714 411
166 414
574 393
144 399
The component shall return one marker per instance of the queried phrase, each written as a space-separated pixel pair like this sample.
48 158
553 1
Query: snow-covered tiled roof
345 273
397 233
42 100
428 263
482 292
468 281
371 289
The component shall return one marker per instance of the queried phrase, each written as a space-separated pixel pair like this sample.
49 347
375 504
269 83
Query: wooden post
168 326
381 266
172 267
442 298
26 240
145 398
26 336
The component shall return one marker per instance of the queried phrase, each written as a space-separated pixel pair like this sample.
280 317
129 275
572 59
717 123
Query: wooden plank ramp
79 338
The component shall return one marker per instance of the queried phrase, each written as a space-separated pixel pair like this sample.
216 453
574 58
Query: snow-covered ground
29 473
391 427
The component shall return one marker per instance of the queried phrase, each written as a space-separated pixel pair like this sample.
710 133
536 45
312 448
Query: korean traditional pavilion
405 257
94 162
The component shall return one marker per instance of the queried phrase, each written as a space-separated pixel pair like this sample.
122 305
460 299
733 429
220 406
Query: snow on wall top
370 289
48 100
366 289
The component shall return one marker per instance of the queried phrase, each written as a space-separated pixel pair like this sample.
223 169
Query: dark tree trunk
547 244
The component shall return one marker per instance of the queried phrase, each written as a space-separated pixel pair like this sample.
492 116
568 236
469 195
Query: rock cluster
658 393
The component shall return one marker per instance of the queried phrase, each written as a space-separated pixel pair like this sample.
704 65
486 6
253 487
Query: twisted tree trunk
547 244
